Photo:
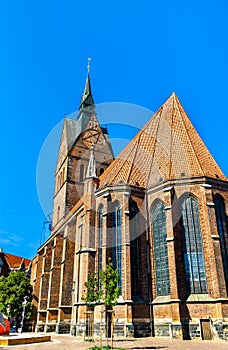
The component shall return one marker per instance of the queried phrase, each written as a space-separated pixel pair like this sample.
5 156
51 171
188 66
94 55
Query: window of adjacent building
134 249
100 242
58 182
160 249
222 224
117 242
193 247
1 265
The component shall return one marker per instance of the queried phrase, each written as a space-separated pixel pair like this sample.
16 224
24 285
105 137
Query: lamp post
23 312
8 310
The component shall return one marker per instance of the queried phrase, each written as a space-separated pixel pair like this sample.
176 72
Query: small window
81 178
63 176
58 213
101 171
1 265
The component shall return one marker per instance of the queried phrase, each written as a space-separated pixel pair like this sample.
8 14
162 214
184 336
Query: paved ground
66 342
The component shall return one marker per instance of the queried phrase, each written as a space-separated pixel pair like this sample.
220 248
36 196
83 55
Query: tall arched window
134 249
160 249
193 247
222 224
100 241
117 241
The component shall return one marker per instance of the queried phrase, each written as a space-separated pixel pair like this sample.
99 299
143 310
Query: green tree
13 289
93 293
109 282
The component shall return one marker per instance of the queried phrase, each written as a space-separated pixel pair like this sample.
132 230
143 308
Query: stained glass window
117 242
134 249
222 224
193 247
100 242
160 249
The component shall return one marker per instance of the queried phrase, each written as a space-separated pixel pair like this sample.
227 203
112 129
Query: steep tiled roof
16 261
167 148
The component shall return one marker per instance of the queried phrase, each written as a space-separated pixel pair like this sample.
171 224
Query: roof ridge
136 148
171 137
178 105
152 162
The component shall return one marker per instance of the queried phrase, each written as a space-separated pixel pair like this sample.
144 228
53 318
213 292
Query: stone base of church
191 330
121 329
179 330
58 328
142 329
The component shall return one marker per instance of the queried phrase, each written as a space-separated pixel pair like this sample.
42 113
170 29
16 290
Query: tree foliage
109 291
13 289
109 282
93 293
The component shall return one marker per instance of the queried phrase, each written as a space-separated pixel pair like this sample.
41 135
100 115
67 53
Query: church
159 211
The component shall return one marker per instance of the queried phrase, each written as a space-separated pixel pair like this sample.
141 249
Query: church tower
74 152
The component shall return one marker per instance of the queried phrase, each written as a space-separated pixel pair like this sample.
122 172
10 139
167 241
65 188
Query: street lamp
23 312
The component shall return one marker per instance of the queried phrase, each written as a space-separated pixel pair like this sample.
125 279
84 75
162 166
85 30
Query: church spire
87 101
91 171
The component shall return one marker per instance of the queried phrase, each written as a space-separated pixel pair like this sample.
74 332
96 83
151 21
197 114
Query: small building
9 262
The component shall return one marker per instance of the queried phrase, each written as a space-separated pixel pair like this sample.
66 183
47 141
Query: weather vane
88 67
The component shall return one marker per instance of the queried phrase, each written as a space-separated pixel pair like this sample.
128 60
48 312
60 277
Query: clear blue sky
142 51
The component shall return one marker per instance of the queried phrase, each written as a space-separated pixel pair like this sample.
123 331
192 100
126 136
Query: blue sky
141 52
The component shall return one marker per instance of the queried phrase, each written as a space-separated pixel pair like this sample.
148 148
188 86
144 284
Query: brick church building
159 210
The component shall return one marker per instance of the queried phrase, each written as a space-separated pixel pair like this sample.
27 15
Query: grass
104 348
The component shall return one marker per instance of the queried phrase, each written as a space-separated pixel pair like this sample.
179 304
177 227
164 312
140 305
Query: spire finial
87 101
88 66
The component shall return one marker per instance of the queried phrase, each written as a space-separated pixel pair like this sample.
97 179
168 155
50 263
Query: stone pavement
67 342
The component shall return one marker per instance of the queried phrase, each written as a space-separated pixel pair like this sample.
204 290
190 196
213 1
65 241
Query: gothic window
160 249
100 242
134 249
117 241
193 247
81 176
222 224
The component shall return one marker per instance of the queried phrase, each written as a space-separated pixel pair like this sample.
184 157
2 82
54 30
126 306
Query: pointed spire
87 101
91 171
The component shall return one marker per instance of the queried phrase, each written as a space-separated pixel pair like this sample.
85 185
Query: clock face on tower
92 136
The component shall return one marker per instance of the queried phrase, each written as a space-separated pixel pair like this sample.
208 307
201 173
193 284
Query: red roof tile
167 148
15 261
